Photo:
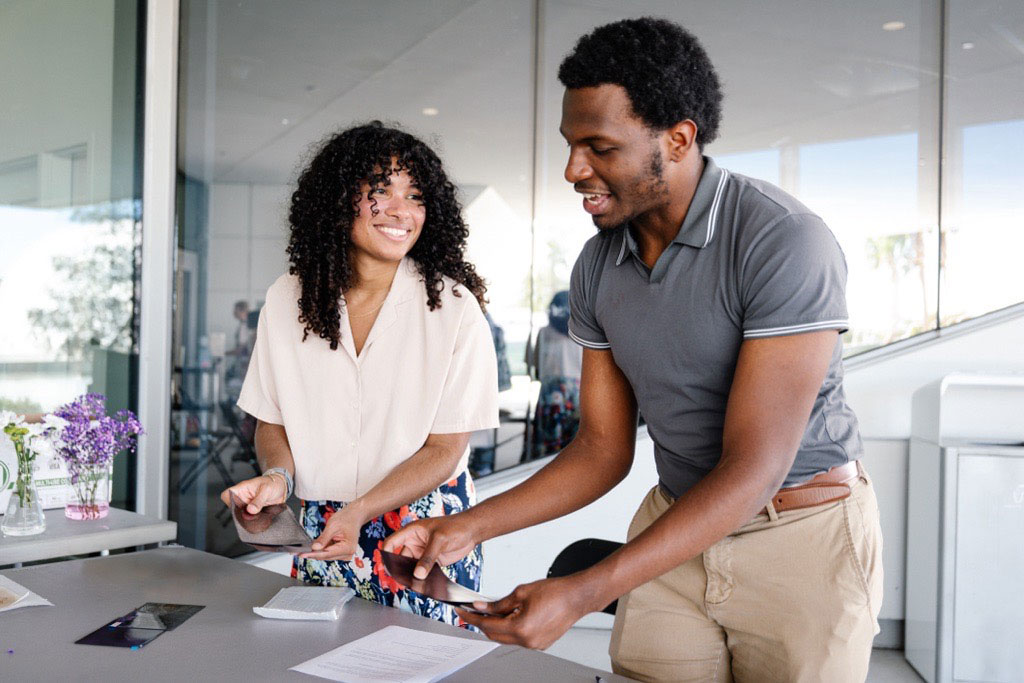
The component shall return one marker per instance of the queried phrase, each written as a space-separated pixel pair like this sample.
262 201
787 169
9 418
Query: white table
225 641
63 537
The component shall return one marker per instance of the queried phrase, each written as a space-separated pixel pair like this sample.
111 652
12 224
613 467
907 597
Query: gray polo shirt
749 261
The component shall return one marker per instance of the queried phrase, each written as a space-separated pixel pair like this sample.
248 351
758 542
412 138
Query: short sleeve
793 280
469 400
259 390
583 326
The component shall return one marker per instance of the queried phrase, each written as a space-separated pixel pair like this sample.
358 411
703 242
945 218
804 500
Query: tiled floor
589 646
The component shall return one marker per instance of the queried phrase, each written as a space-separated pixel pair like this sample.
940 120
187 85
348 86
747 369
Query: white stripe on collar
715 203
622 249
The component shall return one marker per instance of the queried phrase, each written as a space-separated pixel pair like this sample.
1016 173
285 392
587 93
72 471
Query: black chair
581 555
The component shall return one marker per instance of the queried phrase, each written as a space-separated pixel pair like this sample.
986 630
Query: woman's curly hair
662 67
323 209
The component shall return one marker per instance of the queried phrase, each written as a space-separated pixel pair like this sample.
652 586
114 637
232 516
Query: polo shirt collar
699 225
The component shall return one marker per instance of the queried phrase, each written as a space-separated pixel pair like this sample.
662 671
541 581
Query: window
69 206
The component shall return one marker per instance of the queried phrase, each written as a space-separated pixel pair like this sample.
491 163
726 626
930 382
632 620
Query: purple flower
91 438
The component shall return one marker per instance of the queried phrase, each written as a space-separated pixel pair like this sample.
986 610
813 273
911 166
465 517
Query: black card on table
140 626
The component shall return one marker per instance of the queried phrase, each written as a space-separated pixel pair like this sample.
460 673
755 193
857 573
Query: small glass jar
24 515
92 493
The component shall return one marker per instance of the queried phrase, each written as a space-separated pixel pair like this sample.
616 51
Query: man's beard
645 191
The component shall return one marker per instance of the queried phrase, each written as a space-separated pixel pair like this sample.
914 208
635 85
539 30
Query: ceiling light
285 122
967 46
430 111
893 26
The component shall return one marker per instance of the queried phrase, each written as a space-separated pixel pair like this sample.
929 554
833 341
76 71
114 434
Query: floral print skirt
365 573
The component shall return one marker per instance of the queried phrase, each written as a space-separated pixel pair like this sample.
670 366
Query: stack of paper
397 655
14 595
306 602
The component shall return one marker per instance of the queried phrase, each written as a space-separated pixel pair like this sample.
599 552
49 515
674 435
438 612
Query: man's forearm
578 476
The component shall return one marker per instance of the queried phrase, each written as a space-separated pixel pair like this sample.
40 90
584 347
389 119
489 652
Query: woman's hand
257 492
340 537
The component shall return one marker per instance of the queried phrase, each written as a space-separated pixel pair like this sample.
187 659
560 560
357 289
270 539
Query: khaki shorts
790 599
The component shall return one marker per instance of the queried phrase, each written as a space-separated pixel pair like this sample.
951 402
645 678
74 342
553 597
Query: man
714 303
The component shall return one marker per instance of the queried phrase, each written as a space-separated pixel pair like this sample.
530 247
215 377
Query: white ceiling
262 80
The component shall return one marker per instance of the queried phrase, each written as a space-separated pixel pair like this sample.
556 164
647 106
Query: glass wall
834 102
841 104
70 187
983 178
260 84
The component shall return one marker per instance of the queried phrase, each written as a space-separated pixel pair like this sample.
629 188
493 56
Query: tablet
437 585
273 529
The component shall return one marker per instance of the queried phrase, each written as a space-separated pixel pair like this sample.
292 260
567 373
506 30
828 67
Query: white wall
248 226
879 388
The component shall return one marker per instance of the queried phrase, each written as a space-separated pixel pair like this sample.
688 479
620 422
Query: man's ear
682 137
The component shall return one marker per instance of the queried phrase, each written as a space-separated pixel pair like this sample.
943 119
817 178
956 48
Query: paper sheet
306 602
397 655
14 595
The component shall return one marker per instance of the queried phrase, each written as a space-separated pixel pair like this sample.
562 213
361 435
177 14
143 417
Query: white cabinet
965 530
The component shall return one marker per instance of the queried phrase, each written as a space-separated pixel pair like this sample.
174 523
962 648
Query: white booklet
14 595
306 602
397 655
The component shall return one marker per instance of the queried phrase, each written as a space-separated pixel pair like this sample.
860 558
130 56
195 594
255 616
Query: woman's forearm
272 447
428 468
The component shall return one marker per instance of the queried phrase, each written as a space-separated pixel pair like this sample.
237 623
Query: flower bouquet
87 440
24 514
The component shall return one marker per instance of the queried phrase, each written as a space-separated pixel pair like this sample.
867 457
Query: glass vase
24 515
92 493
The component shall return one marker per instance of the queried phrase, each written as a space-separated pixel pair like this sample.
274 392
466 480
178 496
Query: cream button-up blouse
351 419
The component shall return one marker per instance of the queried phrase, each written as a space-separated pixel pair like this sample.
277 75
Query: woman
558 362
373 362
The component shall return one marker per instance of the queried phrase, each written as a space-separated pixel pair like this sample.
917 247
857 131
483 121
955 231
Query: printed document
397 655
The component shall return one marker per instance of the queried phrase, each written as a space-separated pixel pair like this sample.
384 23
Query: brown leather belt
827 487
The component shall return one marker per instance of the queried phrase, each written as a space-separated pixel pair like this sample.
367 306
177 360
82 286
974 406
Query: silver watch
288 481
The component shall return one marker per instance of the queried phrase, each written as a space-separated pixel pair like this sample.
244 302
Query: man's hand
534 615
257 492
339 539
438 539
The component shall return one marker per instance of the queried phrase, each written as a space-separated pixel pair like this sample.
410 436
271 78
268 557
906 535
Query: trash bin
964 618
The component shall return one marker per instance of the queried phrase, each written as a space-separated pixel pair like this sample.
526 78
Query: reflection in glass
983 228
819 100
260 83
763 164
70 178
890 254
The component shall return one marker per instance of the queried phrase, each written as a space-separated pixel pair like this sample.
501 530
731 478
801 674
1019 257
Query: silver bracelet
288 481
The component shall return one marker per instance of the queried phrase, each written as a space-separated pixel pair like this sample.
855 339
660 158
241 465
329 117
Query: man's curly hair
324 207
662 67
